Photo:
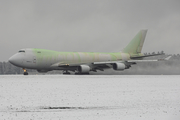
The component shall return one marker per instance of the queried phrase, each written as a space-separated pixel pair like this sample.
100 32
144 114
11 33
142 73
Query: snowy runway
89 97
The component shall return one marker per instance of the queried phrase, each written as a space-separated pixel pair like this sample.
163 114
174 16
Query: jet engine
119 66
83 69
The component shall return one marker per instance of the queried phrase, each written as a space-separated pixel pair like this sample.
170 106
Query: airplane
44 60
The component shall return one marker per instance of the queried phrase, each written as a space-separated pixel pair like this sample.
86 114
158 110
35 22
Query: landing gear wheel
25 73
77 73
66 73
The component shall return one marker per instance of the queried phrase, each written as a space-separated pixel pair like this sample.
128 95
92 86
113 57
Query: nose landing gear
25 71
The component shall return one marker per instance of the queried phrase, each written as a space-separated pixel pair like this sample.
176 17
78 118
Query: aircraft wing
104 65
132 61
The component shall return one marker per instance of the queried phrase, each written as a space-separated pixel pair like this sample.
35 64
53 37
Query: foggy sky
88 25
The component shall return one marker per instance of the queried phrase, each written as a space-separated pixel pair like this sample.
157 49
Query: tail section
136 44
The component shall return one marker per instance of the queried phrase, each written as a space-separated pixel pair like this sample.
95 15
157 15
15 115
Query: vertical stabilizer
136 44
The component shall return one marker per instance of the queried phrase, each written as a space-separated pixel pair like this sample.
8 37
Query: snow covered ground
61 97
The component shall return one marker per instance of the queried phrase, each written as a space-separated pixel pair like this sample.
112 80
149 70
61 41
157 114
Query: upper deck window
21 51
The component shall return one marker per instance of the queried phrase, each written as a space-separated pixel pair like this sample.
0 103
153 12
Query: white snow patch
89 97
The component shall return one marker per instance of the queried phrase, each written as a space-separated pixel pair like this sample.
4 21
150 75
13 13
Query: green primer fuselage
48 57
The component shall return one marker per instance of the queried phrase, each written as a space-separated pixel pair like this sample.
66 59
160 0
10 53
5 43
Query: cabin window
21 51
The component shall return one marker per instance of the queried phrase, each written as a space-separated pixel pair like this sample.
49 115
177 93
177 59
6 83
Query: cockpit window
21 51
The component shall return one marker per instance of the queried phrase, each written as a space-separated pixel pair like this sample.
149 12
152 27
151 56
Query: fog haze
88 26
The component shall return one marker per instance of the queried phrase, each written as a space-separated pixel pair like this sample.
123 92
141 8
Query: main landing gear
25 71
77 73
66 72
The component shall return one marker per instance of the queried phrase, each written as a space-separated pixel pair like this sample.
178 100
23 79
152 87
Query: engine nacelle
83 69
119 66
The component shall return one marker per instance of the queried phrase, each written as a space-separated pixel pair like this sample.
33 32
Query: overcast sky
88 25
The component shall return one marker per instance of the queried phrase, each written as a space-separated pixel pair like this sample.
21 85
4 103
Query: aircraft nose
16 60
11 60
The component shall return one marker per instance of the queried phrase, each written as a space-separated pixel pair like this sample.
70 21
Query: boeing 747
82 62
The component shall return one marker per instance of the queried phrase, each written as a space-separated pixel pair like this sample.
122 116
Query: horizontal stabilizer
136 57
168 58
165 59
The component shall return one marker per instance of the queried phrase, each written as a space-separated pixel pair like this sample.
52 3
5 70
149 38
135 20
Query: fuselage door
34 59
